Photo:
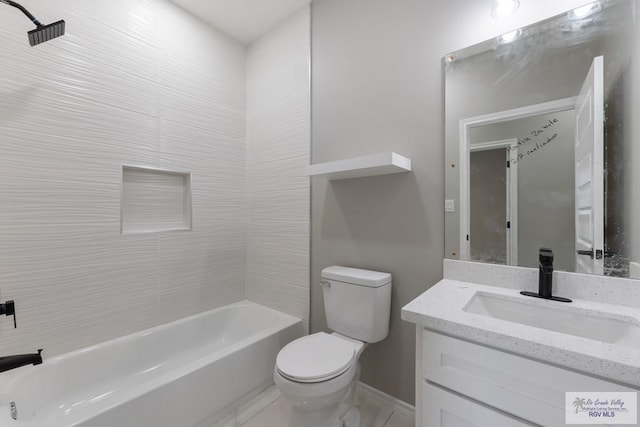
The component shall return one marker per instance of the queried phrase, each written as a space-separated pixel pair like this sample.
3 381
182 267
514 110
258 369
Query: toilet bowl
318 373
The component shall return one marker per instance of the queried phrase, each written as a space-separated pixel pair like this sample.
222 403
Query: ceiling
245 20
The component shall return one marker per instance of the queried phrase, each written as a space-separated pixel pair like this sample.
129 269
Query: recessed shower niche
154 200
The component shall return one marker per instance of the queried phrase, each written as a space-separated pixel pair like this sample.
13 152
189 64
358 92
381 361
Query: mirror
543 143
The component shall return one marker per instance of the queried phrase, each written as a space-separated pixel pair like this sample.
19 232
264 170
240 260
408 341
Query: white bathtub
175 375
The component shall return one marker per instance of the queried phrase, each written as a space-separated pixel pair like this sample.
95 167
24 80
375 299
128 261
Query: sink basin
622 331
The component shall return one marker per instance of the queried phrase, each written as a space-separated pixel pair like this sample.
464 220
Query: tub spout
12 362
9 309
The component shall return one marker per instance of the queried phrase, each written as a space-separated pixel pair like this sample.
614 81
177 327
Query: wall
278 125
377 86
375 90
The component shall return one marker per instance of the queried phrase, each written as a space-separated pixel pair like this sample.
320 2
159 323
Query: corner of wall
278 135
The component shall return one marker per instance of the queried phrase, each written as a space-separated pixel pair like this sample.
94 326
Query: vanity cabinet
463 384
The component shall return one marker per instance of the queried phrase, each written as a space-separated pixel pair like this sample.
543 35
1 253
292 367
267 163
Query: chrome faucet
12 362
545 278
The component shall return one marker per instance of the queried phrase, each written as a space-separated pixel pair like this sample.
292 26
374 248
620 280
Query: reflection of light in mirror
509 37
504 8
585 11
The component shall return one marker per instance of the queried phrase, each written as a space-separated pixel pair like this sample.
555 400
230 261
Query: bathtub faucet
12 362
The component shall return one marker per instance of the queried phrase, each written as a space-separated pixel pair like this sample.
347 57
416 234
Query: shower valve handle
9 309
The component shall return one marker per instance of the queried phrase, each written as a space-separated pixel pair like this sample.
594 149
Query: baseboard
384 400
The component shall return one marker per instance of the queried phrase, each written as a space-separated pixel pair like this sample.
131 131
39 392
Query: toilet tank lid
357 276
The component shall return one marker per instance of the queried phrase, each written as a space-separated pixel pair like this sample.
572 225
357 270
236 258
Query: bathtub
176 375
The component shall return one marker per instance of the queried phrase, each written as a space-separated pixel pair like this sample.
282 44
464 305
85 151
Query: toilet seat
315 358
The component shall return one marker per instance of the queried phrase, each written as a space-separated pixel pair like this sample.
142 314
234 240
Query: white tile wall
133 82
278 118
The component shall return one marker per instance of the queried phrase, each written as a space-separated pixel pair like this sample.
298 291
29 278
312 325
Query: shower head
42 33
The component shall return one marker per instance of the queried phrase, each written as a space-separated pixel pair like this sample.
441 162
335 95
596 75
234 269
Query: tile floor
270 409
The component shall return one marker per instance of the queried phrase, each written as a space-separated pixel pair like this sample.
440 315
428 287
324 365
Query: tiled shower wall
134 82
279 120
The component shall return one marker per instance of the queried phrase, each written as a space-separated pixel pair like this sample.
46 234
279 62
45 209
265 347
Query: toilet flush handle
325 283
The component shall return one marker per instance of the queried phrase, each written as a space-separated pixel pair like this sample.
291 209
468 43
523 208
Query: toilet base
335 410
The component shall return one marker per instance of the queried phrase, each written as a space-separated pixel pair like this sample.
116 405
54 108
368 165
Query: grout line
388 418
260 412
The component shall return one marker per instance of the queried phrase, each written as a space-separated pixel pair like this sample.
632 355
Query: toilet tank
357 302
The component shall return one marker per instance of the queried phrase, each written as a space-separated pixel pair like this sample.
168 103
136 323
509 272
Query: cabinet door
446 409
527 389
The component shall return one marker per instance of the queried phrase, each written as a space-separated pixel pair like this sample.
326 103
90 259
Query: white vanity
488 356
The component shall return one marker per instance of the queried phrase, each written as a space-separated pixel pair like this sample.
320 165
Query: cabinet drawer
528 389
445 409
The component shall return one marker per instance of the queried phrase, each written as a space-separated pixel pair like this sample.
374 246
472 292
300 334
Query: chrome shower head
42 33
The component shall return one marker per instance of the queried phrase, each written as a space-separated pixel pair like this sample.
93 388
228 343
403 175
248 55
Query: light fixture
585 11
509 37
504 8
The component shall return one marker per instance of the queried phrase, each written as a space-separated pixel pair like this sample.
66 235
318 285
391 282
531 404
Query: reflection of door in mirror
493 202
488 210
589 166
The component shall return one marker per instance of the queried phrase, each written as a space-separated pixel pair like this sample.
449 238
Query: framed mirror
542 130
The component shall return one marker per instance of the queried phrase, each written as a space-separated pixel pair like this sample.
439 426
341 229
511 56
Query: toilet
318 373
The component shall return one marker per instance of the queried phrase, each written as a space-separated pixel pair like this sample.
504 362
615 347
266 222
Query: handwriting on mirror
541 141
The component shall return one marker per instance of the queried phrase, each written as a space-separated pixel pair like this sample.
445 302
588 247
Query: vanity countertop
442 309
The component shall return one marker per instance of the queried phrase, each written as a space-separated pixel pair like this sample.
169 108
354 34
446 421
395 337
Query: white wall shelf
376 164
